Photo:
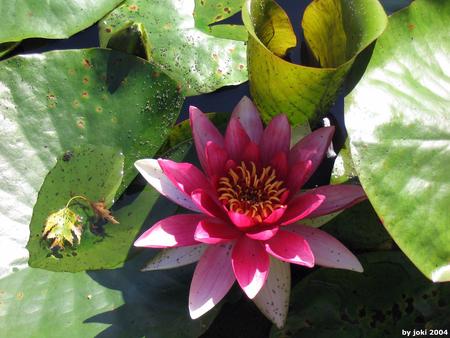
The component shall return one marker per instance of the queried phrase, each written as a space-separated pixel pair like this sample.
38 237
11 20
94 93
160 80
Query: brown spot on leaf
87 63
19 295
85 80
133 8
241 66
411 27
156 74
85 94
75 103
80 123
108 30
98 109
227 10
219 17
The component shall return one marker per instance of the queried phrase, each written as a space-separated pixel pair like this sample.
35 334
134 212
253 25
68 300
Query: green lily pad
398 118
110 303
51 19
92 173
108 246
335 31
389 296
56 101
208 13
178 37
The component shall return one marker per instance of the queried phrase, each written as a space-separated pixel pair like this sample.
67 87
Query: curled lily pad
178 36
397 118
335 31
55 101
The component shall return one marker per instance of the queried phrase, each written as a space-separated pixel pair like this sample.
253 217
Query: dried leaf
63 226
102 211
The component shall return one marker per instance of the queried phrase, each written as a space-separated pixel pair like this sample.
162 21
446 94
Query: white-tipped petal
212 279
273 299
175 257
327 250
152 172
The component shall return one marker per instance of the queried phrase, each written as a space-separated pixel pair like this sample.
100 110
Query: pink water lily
248 210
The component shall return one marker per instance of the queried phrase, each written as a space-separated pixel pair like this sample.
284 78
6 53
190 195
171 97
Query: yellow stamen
253 193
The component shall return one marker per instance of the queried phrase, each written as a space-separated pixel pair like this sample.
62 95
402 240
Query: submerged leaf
389 296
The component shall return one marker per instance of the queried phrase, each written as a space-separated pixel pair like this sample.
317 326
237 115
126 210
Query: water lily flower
248 206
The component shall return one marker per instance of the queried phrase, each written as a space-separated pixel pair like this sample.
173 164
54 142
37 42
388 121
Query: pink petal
229 164
203 131
242 221
251 153
298 175
246 112
152 172
276 138
327 250
250 264
177 230
280 164
185 176
208 204
291 248
215 157
273 299
213 231
275 215
236 139
262 232
337 197
301 206
312 148
212 279
175 257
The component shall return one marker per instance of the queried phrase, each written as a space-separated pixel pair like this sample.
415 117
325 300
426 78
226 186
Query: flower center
249 191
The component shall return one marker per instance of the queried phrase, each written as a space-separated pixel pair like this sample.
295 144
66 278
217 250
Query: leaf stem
78 197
